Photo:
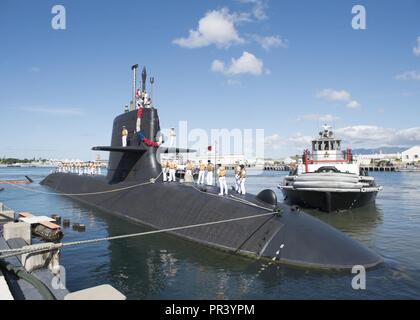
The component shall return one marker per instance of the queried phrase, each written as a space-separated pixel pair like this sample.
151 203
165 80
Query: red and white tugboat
328 178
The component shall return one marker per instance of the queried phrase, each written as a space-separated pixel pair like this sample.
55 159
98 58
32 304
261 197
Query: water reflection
360 223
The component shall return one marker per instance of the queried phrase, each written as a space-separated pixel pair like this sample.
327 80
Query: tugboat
252 225
328 179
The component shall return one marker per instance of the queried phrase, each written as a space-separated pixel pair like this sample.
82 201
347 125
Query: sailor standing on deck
172 136
165 170
172 171
201 173
237 177
242 178
146 100
210 169
189 169
221 172
124 134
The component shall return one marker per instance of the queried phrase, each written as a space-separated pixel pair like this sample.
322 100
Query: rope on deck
151 181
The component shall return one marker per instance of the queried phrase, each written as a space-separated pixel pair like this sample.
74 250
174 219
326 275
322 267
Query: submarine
256 226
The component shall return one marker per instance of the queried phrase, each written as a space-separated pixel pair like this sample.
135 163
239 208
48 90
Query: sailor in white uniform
242 178
210 169
237 177
124 134
221 172
201 172
172 136
172 171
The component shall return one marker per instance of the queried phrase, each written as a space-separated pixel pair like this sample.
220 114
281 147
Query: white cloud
373 136
408 75
295 142
216 27
55 111
259 8
234 83
274 142
218 66
338 95
416 49
319 117
334 95
353 104
246 64
270 42
358 136
299 140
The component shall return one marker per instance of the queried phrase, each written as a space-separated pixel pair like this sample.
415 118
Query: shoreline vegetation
9 161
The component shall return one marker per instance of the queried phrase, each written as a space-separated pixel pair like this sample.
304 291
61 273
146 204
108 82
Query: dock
34 272
277 168
379 168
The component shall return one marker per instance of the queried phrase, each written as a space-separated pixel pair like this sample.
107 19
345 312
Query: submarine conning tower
136 161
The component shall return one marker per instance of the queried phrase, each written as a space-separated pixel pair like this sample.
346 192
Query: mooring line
52 246
151 181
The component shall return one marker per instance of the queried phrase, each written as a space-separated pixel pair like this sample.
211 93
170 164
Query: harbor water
162 266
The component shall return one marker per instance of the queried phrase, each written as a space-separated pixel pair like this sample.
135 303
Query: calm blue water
165 267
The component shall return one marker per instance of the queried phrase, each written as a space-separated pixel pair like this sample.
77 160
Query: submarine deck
293 237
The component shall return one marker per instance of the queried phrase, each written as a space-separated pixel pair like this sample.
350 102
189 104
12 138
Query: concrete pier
379 168
44 266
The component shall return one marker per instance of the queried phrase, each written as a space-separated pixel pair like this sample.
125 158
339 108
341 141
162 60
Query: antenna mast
152 81
133 101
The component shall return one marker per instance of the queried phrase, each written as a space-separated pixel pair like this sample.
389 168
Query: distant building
411 155
228 159
366 159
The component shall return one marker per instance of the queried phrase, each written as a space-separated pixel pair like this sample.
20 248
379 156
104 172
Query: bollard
79 227
57 218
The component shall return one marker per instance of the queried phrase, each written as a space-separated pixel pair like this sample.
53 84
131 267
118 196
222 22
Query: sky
283 66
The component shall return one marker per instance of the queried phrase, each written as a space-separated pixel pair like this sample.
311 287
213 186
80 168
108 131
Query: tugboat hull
328 201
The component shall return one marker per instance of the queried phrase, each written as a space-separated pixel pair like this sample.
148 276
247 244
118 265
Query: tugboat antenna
133 101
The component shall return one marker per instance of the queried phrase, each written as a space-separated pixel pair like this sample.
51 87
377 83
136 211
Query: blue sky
296 65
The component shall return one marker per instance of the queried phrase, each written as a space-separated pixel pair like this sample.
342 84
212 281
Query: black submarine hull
133 189
329 201
294 238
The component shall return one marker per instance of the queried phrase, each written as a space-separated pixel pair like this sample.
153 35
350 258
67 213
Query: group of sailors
206 174
143 100
78 167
